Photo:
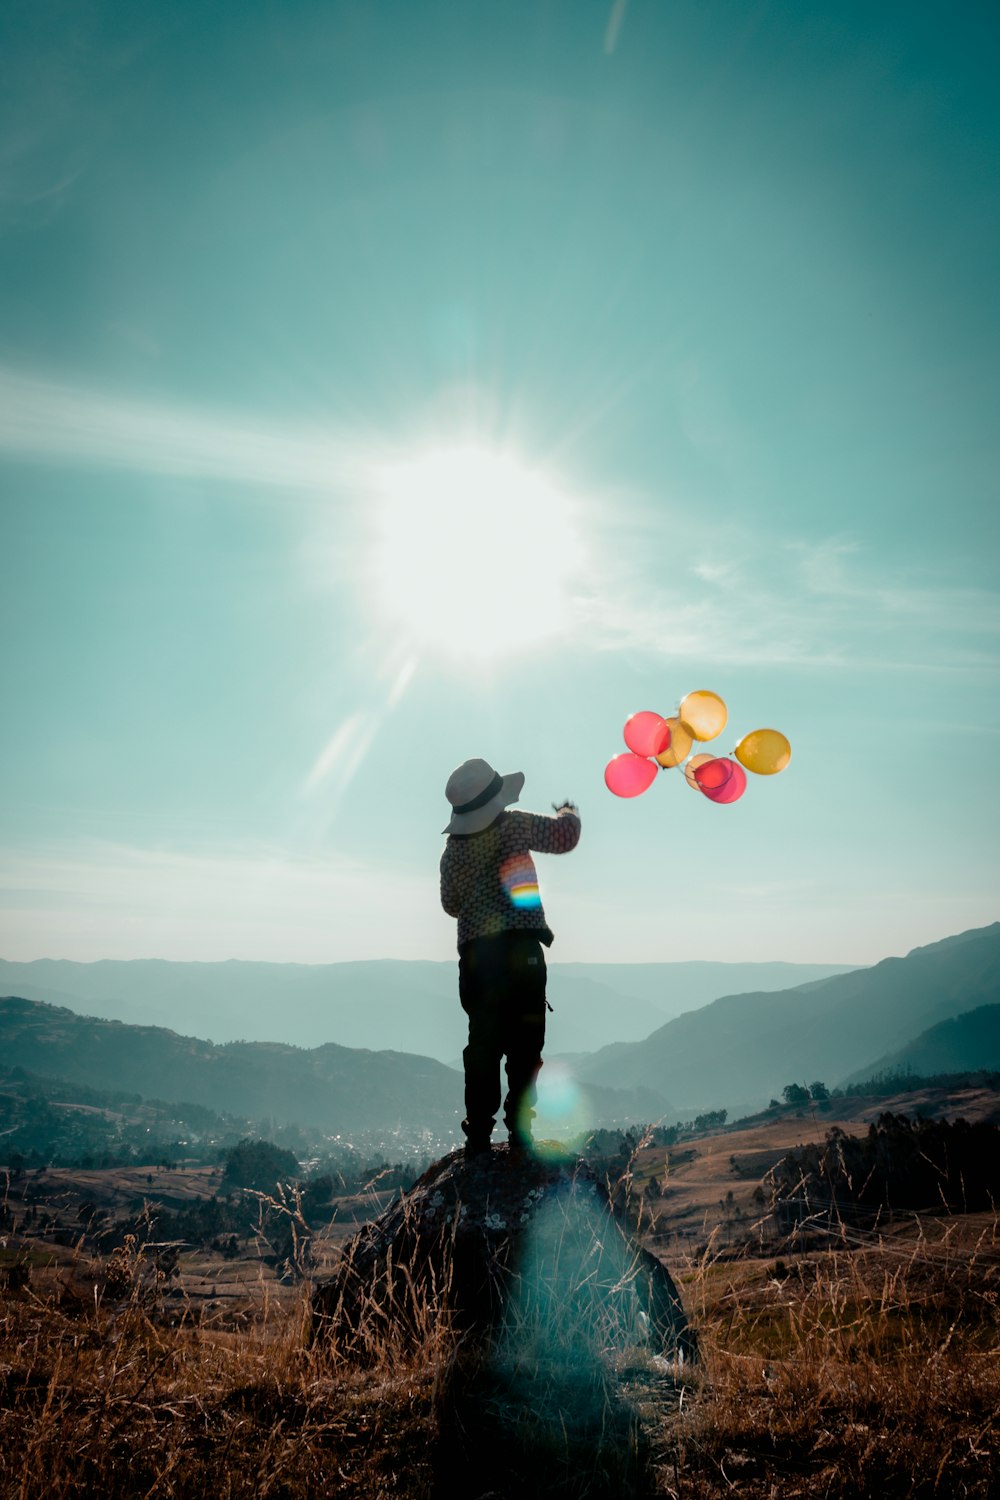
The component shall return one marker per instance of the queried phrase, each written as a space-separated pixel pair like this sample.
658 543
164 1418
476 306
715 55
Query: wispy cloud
57 423
109 900
615 18
797 603
746 599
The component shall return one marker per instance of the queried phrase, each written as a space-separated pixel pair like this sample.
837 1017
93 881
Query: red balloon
627 775
647 733
722 780
713 775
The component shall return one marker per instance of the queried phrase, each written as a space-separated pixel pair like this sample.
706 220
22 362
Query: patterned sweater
488 879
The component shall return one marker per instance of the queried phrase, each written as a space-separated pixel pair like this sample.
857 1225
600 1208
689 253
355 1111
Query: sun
474 552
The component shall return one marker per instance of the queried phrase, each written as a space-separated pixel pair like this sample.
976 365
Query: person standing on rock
488 882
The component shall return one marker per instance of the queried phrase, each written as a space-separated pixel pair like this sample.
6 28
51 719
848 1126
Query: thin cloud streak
790 604
61 424
614 26
800 604
250 902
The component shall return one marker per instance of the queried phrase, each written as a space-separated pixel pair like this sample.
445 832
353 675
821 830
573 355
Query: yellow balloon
679 747
703 714
692 766
764 751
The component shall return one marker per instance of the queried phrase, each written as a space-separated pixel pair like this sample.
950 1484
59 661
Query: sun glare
474 553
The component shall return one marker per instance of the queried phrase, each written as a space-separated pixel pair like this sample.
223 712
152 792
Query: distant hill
409 1005
62 1122
337 1090
962 1044
741 1049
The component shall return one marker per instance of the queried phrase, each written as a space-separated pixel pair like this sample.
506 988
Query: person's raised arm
556 835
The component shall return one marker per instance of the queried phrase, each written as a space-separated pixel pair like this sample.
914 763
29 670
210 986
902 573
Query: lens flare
577 1289
517 875
560 1114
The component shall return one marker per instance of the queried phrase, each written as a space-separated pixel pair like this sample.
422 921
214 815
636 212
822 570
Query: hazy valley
410 1006
933 1011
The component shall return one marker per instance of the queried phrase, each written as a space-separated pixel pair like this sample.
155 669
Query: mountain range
936 1010
964 1044
409 1005
337 1090
741 1049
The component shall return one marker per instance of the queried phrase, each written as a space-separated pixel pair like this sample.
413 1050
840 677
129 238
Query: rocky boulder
499 1244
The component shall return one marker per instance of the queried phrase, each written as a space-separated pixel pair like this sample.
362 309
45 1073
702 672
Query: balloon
764 751
721 780
647 733
703 714
713 774
627 775
679 747
691 769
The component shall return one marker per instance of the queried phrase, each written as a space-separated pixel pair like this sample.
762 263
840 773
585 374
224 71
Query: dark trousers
501 984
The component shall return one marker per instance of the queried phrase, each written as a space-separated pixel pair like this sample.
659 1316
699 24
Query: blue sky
385 384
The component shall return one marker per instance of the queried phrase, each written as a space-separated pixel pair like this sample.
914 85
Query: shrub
258 1164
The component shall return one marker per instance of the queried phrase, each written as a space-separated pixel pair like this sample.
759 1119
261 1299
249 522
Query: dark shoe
520 1144
476 1149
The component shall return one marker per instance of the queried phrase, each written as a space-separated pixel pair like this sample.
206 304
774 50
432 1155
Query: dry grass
97 1397
862 1370
865 1368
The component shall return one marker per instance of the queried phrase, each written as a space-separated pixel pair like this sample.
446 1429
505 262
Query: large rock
499 1245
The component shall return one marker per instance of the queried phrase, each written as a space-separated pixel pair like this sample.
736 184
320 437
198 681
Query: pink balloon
627 775
722 780
713 775
647 733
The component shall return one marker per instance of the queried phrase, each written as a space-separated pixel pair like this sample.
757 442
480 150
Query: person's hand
565 807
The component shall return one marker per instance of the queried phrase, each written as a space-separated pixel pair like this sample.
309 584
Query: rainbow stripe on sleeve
519 880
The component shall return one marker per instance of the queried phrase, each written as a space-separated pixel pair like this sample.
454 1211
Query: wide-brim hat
478 794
